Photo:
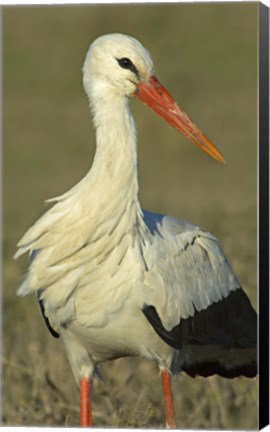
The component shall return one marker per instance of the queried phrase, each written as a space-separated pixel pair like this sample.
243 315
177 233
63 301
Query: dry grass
206 55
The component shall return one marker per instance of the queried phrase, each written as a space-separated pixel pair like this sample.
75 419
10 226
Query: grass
205 54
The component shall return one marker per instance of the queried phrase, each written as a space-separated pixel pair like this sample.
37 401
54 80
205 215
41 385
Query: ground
206 56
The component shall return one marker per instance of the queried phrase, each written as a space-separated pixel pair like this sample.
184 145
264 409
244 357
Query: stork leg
167 393
85 403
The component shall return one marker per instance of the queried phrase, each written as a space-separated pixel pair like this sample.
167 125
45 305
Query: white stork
114 280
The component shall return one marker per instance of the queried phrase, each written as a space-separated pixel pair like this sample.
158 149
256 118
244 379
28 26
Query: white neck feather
112 183
115 163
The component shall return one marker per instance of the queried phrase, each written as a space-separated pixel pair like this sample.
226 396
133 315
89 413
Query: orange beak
153 94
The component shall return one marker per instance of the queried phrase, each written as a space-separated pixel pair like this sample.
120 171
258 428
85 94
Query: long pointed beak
153 94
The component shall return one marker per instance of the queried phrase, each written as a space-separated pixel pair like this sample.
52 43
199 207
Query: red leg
167 393
85 403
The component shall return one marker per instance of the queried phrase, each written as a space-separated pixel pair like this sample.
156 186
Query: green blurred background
206 56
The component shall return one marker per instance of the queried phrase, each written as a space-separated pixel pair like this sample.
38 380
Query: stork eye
126 63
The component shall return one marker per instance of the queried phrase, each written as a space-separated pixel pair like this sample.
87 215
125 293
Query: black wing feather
46 319
229 324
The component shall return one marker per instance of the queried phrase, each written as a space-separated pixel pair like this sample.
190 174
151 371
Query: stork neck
115 162
113 175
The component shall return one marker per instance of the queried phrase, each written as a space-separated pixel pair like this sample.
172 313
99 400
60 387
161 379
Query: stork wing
195 302
53 332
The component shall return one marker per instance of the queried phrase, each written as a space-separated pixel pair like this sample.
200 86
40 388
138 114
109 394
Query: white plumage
98 261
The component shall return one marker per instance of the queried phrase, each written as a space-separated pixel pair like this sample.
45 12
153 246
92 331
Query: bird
114 280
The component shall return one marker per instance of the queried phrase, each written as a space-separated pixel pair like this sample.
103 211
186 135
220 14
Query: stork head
117 65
